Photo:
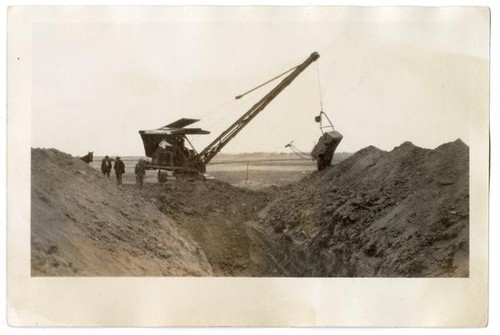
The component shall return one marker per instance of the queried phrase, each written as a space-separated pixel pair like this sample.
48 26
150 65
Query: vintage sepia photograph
255 143
248 165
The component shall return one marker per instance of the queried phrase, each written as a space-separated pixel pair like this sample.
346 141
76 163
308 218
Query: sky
385 75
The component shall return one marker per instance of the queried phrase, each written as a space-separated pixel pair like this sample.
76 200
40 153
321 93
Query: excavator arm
216 146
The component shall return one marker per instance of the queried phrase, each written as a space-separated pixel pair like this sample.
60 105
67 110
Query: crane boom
213 148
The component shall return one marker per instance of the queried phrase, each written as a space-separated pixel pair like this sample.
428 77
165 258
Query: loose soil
84 225
403 213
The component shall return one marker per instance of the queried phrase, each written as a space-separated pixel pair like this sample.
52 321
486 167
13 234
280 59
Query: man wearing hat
119 170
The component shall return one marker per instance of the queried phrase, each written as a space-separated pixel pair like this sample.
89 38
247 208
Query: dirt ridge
398 213
83 224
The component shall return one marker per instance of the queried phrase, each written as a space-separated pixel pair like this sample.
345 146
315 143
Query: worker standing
119 170
140 172
106 166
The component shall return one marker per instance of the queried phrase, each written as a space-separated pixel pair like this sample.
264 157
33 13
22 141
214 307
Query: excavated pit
402 213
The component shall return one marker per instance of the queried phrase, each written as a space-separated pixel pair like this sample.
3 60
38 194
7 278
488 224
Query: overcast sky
388 75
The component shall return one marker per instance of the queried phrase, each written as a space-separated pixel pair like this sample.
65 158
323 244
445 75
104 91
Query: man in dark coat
140 172
106 166
119 170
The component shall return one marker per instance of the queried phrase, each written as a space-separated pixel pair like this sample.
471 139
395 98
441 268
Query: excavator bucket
325 148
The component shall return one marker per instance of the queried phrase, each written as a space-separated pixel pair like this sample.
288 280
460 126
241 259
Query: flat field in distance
264 169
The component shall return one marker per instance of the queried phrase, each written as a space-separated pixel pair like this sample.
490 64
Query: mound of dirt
387 214
403 213
83 224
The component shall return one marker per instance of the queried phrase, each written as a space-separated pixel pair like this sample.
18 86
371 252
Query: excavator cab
166 147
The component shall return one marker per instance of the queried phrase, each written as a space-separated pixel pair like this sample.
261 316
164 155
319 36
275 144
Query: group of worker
119 167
